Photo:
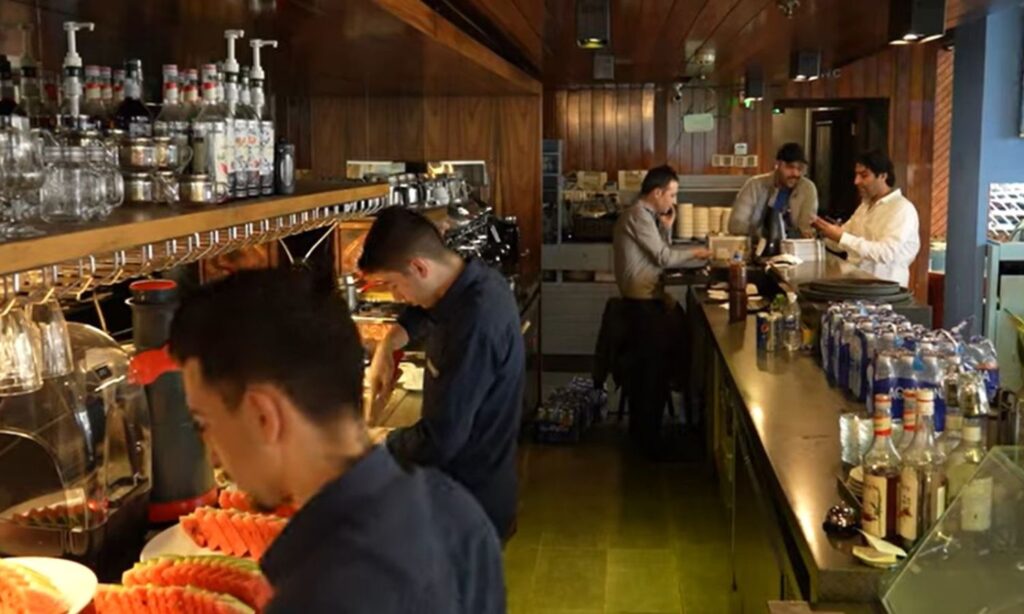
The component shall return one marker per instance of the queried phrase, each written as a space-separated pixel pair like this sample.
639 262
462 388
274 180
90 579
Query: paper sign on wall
698 122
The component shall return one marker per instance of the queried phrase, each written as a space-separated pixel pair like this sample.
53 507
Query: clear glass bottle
247 137
922 490
266 133
93 106
106 87
237 128
952 436
909 420
792 335
880 499
211 154
976 497
174 115
190 92
118 87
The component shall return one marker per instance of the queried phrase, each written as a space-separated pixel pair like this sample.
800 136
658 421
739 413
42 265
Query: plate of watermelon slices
45 584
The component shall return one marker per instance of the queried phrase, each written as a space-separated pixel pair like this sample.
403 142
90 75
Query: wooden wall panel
941 142
503 131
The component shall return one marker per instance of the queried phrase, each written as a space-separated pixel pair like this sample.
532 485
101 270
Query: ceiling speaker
805 65
753 84
916 21
593 23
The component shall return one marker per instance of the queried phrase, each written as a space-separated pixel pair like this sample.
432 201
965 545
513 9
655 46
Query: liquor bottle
247 136
132 116
909 420
209 132
106 87
190 92
953 435
976 494
266 141
173 117
922 491
8 102
40 114
118 87
93 106
880 499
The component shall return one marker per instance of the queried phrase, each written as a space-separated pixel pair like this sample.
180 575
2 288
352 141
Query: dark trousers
657 346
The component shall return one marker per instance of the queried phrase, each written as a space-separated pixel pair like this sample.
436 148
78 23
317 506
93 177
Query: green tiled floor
602 530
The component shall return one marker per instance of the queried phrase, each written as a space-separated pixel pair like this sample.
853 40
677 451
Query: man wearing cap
785 190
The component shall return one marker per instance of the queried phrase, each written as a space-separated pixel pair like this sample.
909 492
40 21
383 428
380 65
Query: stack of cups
684 222
715 220
701 222
726 216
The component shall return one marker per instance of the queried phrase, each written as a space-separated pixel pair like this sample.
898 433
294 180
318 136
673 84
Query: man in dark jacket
475 371
273 371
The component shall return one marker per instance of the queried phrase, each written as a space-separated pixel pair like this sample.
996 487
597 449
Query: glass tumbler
53 345
19 363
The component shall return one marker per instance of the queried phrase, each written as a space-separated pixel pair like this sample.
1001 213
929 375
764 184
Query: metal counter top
832 267
794 413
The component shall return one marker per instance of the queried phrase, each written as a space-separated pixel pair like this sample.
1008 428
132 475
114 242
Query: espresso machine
75 461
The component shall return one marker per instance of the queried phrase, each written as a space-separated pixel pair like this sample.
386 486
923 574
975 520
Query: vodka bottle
976 495
910 415
118 87
173 118
922 491
879 502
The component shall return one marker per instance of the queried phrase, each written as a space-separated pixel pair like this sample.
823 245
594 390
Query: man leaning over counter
785 190
273 370
476 360
882 235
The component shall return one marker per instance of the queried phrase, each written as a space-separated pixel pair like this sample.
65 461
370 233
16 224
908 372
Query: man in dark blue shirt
475 371
273 370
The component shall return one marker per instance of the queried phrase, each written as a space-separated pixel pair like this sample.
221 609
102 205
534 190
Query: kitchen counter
789 417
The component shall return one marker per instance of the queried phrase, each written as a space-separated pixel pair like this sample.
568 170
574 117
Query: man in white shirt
882 236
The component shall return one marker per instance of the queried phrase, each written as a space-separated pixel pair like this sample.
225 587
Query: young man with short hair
882 237
273 371
476 361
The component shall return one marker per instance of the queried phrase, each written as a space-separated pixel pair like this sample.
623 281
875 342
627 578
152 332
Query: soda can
775 335
764 331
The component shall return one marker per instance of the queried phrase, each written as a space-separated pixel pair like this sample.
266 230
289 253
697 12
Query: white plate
76 582
173 540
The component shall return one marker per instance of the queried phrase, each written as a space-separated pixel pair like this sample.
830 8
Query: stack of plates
684 221
701 222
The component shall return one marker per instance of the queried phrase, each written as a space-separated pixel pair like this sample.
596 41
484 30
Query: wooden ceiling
665 40
343 47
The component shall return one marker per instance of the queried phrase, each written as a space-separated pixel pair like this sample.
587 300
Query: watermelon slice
114 599
240 578
231 531
27 591
234 499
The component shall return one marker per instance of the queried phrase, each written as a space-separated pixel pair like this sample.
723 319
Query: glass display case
973 558
75 461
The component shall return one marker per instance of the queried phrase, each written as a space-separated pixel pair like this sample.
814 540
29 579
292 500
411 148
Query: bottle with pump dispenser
266 140
247 137
71 108
239 125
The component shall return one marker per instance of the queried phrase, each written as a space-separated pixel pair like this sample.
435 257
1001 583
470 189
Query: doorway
832 153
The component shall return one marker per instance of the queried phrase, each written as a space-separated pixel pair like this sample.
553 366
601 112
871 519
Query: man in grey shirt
642 239
655 338
784 190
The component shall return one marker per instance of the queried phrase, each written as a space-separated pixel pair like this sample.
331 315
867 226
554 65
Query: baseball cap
791 152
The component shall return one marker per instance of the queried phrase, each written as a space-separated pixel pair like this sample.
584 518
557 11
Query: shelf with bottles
175 234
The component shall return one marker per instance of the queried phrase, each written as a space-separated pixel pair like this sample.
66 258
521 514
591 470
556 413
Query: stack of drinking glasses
34 344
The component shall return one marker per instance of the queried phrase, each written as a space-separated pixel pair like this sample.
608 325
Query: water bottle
931 376
981 356
906 379
866 347
849 332
792 334
885 380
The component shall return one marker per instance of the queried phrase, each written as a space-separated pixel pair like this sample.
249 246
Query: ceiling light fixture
593 23
916 21
788 7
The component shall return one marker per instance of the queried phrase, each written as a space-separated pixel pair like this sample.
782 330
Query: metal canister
284 168
764 332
